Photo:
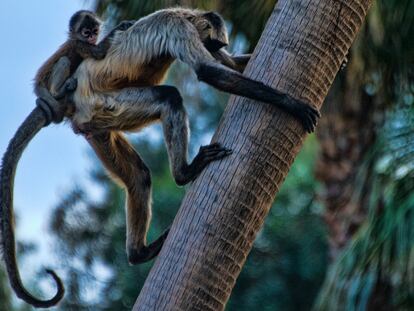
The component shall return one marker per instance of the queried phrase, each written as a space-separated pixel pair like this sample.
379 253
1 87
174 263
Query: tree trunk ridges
224 209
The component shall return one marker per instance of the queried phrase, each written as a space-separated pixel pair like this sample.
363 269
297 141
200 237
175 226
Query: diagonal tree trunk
300 53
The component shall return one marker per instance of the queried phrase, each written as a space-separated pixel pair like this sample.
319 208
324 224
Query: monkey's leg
133 108
175 126
60 73
126 166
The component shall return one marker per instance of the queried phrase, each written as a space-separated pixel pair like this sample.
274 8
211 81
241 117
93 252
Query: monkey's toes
211 153
205 155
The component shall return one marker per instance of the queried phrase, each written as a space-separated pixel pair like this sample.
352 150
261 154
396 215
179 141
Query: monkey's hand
307 115
205 155
71 84
124 25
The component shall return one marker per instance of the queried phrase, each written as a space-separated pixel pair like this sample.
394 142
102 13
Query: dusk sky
31 31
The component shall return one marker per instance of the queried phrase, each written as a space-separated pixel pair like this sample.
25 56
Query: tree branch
300 52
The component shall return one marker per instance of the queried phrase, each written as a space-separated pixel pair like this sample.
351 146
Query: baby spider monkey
52 79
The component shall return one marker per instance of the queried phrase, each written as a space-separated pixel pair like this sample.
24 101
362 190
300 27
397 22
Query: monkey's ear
214 18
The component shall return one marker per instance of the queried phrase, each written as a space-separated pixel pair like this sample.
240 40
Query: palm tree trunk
300 52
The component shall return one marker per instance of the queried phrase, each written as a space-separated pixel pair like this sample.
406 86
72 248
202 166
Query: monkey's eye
95 31
86 33
208 26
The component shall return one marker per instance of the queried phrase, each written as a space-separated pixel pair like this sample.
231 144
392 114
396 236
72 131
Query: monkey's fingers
205 155
208 154
211 155
306 114
312 115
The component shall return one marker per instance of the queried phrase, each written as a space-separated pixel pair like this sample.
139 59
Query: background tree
366 166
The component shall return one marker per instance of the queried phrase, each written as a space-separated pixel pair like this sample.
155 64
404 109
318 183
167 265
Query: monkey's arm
87 50
238 62
231 81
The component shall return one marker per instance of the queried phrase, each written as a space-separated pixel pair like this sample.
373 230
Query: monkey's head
212 30
84 25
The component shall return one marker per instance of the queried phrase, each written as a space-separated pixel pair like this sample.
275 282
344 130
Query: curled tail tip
59 283
59 293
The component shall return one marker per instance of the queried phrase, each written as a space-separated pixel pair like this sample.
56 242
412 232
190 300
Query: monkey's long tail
29 128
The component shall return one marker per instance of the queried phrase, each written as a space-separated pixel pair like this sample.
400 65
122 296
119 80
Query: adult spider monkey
122 93
50 84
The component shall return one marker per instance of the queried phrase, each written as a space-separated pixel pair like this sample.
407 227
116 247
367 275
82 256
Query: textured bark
300 53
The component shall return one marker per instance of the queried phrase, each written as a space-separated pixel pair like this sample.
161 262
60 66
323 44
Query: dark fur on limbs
233 82
126 166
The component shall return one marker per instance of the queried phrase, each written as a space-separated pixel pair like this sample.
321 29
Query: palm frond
380 259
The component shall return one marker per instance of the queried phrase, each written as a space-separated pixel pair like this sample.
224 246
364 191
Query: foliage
375 272
377 267
387 47
239 13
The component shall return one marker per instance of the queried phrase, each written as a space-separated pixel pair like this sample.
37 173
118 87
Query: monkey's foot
146 253
205 155
71 84
307 115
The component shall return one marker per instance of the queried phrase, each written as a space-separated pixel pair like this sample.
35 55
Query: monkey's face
89 34
86 28
212 31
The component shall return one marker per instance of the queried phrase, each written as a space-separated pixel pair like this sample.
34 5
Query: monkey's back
139 56
143 53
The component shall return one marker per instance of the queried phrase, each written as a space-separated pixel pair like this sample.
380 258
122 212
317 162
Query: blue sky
31 31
